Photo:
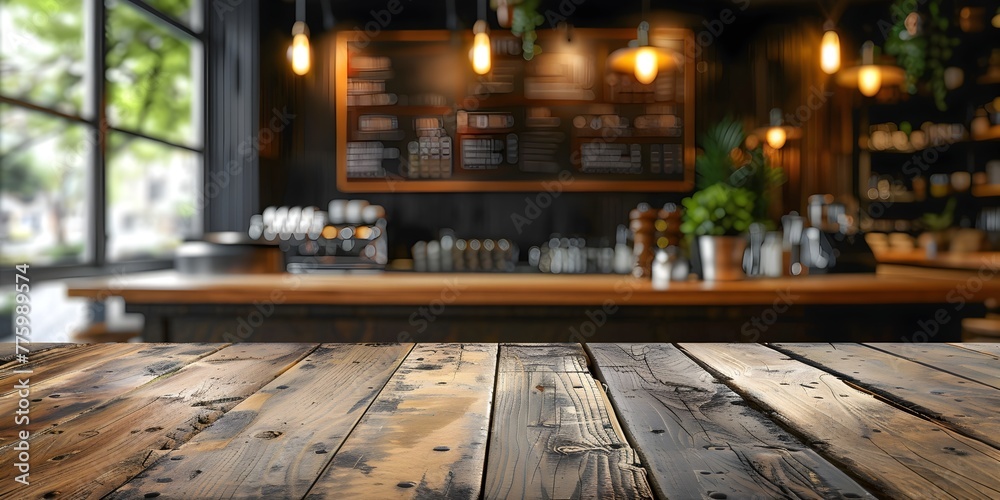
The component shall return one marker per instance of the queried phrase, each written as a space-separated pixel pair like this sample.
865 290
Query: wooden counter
970 261
534 307
506 289
468 421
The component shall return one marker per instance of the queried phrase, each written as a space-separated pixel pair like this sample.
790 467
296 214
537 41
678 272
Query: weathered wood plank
59 399
278 441
901 455
983 347
555 435
973 365
53 362
8 350
98 451
425 435
700 439
963 405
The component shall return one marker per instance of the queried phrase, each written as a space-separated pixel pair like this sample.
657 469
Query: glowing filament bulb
301 57
830 53
646 65
869 80
481 53
776 137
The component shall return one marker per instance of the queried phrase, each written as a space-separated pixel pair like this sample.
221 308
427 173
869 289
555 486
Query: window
101 129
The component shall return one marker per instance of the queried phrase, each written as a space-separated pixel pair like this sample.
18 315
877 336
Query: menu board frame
544 182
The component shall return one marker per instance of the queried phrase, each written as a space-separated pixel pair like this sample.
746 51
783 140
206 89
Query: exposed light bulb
869 80
830 52
300 53
481 50
776 137
646 65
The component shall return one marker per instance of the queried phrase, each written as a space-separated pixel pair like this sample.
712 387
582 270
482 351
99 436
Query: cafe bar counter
398 306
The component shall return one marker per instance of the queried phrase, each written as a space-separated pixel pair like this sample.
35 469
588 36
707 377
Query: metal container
228 253
722 257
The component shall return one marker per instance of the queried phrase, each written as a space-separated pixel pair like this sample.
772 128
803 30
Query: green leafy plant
718 210
921 45
941 221
524 19
733 183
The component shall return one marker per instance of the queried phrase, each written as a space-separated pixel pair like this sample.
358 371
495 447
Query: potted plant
732 191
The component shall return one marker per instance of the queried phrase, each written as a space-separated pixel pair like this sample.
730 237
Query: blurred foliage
525 17
922 45
52 33
718 210
941 221
733 182
150 88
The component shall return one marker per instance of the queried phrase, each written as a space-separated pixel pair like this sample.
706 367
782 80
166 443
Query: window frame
100 129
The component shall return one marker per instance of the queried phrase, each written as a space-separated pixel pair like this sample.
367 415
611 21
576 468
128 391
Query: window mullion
100 132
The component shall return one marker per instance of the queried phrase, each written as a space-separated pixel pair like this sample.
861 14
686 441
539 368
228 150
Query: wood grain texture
517 289
554 434
973 365
52 363
991 349
901 455
425 435
699 439
59 399
275 443
963 405
95 453
8 350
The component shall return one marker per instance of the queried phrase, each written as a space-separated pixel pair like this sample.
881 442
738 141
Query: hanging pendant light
869 77
778 133
482 52
643 60
300 53
829 59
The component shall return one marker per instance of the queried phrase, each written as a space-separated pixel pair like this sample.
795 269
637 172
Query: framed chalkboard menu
412 116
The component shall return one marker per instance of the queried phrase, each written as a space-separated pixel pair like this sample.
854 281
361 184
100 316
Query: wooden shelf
986 190
993 134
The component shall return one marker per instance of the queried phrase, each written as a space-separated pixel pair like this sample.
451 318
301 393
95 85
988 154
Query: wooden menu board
412 116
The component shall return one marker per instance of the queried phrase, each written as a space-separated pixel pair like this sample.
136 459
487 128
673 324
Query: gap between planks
875 442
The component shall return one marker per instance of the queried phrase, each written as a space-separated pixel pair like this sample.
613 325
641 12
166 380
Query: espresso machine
350 236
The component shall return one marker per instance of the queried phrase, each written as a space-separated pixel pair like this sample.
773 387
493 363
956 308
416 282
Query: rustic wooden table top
502 421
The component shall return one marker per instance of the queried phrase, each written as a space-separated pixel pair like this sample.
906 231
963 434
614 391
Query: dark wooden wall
298 167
